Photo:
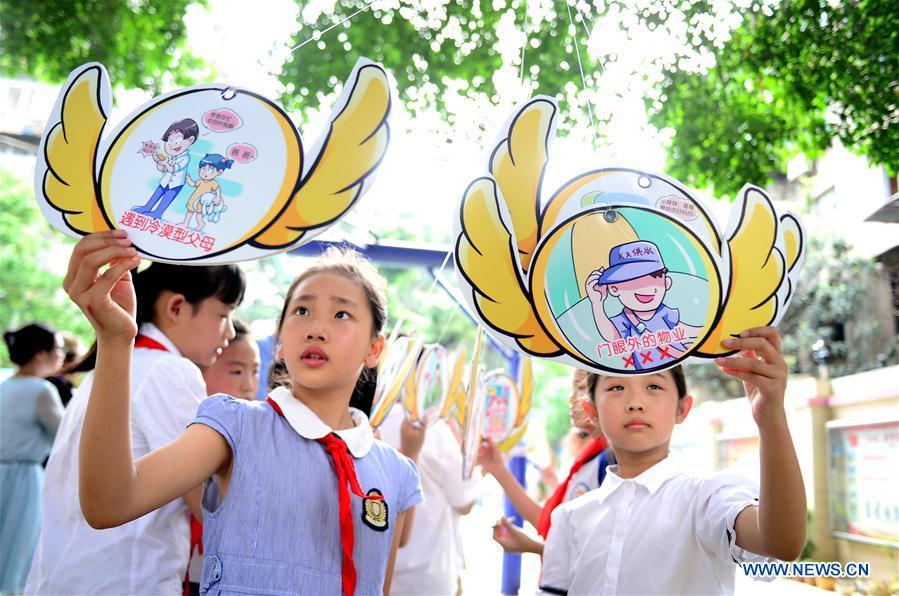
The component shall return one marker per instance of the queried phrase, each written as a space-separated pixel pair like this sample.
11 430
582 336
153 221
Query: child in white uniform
184 318
653 528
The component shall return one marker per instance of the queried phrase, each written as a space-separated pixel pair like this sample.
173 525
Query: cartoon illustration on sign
426 389
501 405
622 271
638 278
508 405
228 178
177 139
206 199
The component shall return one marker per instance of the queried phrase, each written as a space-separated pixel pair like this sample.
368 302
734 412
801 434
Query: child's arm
397 532
412 439
777 526
113 489
513 539
491 461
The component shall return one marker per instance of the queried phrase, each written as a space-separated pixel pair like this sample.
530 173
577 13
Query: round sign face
392 372
474 421
626 186
200 172
626 289
500 406
431 383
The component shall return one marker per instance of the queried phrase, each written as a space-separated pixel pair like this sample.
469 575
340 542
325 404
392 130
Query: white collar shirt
431 561
148 555
662 532
309 426
176 177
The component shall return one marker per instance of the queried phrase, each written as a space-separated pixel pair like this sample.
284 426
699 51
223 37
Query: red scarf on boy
589 452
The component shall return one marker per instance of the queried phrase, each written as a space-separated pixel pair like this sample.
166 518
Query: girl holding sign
294 483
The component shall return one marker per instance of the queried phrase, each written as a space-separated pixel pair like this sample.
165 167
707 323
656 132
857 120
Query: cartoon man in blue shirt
637 276
177 138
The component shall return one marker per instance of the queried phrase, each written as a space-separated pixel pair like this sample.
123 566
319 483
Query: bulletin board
862 480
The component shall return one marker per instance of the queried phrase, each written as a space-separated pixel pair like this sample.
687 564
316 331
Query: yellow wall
718 432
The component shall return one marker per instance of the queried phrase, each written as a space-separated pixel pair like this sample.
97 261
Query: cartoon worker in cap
637 276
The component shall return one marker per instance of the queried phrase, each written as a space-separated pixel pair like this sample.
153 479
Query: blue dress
30 410
277 529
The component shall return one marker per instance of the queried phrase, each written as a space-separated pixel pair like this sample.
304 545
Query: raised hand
763 370
106 298
412 437
596 292
490 458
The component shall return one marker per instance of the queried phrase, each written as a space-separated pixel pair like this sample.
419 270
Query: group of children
295 493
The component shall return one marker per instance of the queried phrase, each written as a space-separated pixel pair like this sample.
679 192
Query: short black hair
241 329
680 380
187 127
196 284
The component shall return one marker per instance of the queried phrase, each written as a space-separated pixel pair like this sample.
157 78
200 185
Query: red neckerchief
196 528
346 474
142 341
589 452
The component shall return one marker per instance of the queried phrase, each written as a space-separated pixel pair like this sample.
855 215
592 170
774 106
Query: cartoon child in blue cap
637 276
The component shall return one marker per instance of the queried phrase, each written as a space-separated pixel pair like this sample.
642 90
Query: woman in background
30 411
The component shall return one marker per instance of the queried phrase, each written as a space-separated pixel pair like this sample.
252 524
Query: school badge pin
374 510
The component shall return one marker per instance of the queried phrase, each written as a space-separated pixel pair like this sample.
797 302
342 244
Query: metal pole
517 465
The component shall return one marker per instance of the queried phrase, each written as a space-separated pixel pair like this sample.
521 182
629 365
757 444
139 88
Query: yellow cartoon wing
454 387
65 170
793 239
517 165
794 253
525 391
410 396
513 439
757 272
487 260
350 153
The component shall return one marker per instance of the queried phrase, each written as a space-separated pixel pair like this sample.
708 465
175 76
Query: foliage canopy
789 79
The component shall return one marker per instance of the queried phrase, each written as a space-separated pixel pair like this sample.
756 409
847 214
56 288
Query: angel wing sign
210 173
622 272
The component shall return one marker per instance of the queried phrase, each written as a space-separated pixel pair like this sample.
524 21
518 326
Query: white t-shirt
663 532
145 556
431 561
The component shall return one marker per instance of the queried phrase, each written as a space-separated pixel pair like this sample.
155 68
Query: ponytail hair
27 342
196 284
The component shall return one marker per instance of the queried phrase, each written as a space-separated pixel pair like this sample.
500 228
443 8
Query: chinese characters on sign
162 229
